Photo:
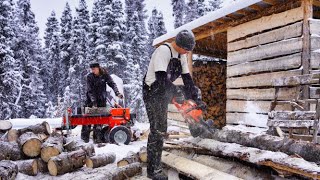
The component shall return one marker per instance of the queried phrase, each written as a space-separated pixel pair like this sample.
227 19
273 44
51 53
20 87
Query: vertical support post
306 49
190 62
316 123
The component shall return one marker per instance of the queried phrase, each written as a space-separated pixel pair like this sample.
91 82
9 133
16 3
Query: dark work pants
157 107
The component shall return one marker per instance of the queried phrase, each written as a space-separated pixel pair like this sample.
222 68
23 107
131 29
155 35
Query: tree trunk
193 169
306 150
12 135
100 160
30 144
10 151
66 162
42 166
28 167
126 172
52 147
8 170
5 126
276 160
129 159
143 154
43 128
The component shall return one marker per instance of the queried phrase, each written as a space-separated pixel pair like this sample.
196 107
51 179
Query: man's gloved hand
178 94
119 95
201 105
94 105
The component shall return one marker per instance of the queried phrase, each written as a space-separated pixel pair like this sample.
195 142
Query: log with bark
143 154
43 128
66 162
12 135
125 172
30 144
129 159
306 150
10 151
42 166
193 169
73 146
5 126
28 167
53 146
100 160
276 160
8 170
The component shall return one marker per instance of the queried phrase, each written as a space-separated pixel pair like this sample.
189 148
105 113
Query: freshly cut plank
251 119
277 64
5 126
314 26
28 167
193 169
253 106
280 48
30 144
176 116
10 151
100 160
315 60
276 160
260 80
286 32
8 170
66 162
44 127
291 123
261 94
265 23
53 146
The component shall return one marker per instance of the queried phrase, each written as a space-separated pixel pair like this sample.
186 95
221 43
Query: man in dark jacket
168 62
96 97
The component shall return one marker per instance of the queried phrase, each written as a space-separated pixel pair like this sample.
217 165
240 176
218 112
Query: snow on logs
53 146
132 157
8 170
29 167
5 126
10 151
100 160
276 160
30 144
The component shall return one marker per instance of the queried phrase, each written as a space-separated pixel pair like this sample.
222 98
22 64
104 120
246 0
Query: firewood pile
210 77
242 155
36 149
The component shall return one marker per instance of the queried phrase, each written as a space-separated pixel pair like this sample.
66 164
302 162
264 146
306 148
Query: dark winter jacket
97 94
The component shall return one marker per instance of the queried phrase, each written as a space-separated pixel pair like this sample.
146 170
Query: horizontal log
193 169
315 43
314 26
290 123
292 115
253 106
276 160
250 119
314 92
259 80
277 64
265 23
271 50
5 126
286 32
297 80
261 94
315 60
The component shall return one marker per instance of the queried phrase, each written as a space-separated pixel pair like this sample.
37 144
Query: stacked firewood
36 149
210 77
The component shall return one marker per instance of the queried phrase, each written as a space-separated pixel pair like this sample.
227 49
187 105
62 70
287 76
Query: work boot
158 176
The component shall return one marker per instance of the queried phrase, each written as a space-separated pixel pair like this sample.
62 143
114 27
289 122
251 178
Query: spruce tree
214 5
179 8
93 34
191 11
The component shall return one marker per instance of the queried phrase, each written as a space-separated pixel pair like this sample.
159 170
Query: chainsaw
193 115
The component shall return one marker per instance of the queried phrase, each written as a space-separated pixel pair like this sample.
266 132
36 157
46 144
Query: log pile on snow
284 156
35 149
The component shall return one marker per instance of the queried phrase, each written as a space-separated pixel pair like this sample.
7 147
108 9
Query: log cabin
261 41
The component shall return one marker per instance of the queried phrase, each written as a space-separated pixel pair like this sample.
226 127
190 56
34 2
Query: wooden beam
242 12
210 32
316 3
271 2
255 7
254 106
306 47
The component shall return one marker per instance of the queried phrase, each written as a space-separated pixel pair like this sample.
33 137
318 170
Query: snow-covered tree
10 78
65 47
214 5
28 51
179 7
79 60
52 27
191 11
156 28
93 34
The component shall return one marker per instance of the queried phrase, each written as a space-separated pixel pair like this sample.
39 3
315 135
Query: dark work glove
119 95
178 94
94 105
201 105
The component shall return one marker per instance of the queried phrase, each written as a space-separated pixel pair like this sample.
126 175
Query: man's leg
97 133
85 133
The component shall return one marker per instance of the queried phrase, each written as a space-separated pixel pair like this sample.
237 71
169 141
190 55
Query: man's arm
191 91
91 90
112 84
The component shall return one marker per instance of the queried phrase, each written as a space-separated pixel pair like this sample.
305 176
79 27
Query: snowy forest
43 79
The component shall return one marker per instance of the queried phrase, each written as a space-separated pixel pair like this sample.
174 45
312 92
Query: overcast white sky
43 9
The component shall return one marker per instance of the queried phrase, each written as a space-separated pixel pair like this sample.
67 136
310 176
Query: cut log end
32 147
122 163
89 163
35 167
5 126
52 167
47 127
48 152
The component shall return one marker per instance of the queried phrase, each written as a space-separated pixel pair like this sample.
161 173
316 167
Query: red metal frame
117 117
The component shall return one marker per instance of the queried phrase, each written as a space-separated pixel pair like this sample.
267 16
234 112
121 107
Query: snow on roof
226 10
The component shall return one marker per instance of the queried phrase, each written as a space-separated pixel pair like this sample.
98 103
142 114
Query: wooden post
306 49
190 62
